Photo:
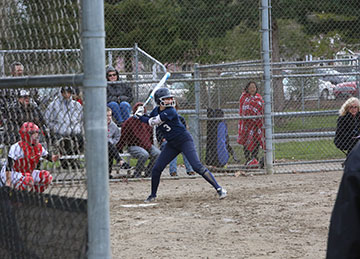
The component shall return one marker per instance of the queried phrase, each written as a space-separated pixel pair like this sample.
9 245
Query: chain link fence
38 134
304 116
213 49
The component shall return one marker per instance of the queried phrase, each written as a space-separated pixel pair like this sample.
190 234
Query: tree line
202 31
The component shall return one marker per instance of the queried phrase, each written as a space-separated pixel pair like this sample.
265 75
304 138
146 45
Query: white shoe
221 192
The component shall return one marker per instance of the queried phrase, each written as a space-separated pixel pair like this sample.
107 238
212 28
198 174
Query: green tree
322 28
175 31
36 24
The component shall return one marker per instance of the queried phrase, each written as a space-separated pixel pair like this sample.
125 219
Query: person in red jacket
251 132
20 170
138 137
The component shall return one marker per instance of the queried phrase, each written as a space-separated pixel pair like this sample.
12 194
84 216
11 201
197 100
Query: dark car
347 89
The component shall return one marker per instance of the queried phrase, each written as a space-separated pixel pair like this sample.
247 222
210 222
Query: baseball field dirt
264 216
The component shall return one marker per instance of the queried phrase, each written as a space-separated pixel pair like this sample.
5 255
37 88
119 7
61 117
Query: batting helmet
161 94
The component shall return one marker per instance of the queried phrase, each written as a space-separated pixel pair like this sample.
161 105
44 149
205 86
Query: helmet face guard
29 132
169 104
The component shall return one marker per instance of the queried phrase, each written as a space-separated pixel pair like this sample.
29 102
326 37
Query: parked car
331 75
326 90
313 88
180 90
347 89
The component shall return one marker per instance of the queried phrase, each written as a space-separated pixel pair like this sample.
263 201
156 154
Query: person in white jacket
64 117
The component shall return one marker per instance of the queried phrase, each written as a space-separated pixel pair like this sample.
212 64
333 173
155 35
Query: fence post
96 150
2 65
196 120
267 97
136 56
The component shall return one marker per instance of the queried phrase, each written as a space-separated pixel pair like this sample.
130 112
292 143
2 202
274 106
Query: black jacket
119 92
348 127
344 232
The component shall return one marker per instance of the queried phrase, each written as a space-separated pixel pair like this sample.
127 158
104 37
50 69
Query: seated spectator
8 96
64 118
138 137
20 111
119 96
20 170
78 96
17 70
113 139
46 96
348 125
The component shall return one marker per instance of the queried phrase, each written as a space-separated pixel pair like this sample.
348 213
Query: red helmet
26 130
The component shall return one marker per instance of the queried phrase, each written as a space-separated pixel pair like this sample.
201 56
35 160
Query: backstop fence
302 55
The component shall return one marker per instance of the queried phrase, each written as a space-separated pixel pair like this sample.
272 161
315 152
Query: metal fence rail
51 61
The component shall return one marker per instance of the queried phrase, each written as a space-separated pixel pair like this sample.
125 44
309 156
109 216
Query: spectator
173 163
348 125
78 96
20 170
119 96
22 110
113 139
64 119
17 69
344 231
8 96
251 133
138 137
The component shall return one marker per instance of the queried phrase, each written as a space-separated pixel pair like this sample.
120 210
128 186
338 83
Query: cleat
253 162
150 199
221 192
190 173
173 174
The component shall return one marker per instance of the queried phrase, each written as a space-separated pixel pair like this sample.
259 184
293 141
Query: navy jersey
159 135
172 129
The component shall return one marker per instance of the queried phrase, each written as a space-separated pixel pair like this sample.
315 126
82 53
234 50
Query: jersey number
167 127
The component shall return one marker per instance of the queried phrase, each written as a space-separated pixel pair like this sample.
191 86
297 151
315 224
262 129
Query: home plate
138 205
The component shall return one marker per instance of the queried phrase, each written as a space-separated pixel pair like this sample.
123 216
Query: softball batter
178 139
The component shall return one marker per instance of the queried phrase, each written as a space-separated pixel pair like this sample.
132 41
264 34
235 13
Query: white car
179 90
293 91
331 75
326 90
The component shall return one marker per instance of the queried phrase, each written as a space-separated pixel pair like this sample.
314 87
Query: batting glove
139 112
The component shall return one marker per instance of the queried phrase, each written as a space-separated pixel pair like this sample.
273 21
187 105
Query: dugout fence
71 218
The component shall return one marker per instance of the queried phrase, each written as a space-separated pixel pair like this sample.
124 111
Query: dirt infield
277 216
